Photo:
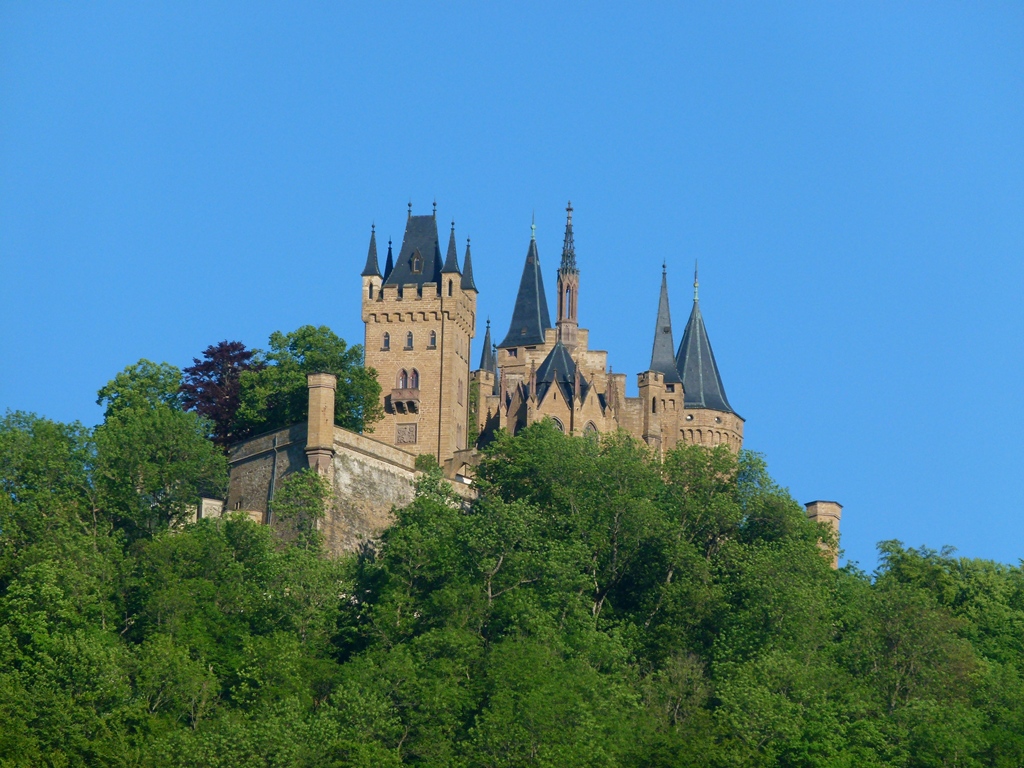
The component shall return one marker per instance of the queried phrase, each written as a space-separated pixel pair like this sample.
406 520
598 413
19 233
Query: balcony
405 400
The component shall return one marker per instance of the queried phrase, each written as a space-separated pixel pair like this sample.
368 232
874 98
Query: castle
420 316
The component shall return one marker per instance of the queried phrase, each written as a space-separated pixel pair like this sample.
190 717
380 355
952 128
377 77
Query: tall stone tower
420 318
709 419
568 288
661 387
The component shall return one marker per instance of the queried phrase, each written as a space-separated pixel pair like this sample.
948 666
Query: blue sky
850 176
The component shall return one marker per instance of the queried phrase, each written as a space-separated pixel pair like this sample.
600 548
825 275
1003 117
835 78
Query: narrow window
433 339
654 405
387 342
414 380
408 340
417 263
371 290
403 379
449 287
460 391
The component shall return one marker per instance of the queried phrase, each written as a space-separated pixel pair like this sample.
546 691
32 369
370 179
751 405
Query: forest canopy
593 607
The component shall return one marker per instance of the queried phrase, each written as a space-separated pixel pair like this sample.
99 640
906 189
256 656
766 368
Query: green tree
274 392
144 384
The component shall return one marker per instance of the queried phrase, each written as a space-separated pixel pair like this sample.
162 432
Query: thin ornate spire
696 283
568 245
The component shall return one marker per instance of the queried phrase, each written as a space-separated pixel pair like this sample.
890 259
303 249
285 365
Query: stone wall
368 478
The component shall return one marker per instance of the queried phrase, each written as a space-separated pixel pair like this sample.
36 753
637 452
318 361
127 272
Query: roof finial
410 208
696 284
663 270
568 210
453 225
435 207
533 226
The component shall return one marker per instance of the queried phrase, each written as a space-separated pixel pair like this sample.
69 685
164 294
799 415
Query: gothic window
558 424
513 353
414 379
402 380
433 339
386 343
370 289
590 430
408 340
449 287
417 263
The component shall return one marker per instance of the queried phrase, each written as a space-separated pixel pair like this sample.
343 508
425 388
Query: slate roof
530 318
487 359
702 384
558 369
371 269
389 264
467 271
451 261
663 358
420 238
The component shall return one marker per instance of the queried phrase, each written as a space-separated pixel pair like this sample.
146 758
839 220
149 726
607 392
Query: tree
211 386
143 384
273 392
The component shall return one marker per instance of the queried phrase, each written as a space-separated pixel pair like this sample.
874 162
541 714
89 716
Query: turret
708 417
372 278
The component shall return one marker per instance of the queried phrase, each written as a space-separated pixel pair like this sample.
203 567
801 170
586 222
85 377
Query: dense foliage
212 386
273 391
593 608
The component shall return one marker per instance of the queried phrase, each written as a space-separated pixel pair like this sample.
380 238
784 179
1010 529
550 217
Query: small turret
371 269
467 271
662 353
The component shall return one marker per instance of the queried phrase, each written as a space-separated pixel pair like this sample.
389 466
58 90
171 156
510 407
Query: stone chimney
828 512
320 422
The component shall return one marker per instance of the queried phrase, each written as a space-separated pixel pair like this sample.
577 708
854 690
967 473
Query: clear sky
850 176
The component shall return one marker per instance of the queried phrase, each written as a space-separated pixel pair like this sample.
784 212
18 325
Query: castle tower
661 387
568 288
523 345
708 419
420 320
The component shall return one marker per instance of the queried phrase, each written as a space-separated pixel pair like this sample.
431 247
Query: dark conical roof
662 355
530 318
558 369
487 360
451 261
389 264
419 261
371 269
467 271
702 384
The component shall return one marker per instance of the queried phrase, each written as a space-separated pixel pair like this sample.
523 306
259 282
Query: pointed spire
467 271
372 269
488 361
451 262
530 318
568 245
389 264
662 357
702 383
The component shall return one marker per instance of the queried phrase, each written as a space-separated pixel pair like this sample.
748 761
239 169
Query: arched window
386 343
449 287
417 263
561 427
402 380
433 339
370 289
590 430
414 379
408 340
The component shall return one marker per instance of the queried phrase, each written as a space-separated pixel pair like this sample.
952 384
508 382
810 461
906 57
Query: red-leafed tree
210 386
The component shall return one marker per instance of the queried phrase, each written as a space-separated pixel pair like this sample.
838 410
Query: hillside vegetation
594 607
